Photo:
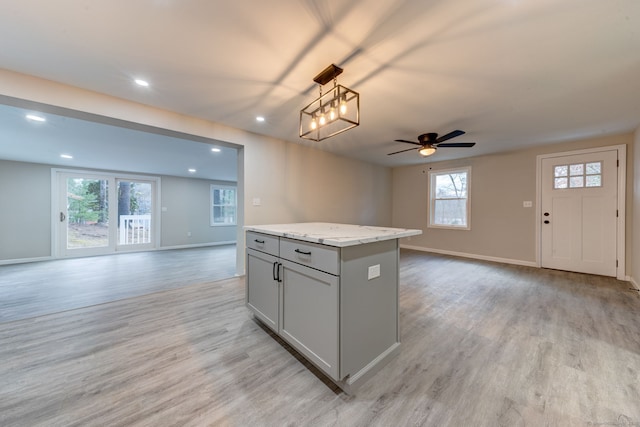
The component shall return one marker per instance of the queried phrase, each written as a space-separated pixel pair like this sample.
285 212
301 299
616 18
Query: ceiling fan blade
408 142
450 135
457 144
402 151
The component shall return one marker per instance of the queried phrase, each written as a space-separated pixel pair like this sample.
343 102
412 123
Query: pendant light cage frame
332 113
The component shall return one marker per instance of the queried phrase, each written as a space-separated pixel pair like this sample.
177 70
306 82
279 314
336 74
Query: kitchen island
329 290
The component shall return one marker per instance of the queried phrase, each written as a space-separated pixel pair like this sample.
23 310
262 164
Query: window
578 175
223 205
449 205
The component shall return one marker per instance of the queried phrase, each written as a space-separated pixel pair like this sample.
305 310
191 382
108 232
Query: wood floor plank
483 344
35 289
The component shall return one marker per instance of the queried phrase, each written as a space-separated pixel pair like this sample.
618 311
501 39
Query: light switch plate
374 271
256 201
527 204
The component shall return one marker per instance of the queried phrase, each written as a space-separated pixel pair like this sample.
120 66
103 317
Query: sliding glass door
100 214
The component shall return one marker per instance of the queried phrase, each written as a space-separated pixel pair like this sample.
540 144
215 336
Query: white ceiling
511 73
97 145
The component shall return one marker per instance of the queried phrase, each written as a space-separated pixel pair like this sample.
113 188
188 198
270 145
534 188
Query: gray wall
500 226
299 184
187 211
25 212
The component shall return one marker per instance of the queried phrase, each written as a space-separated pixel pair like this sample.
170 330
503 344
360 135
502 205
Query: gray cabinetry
309 315
337 306
262 292
262 296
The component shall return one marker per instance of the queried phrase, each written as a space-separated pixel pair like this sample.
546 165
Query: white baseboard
197 245
473 256
634 283
25 260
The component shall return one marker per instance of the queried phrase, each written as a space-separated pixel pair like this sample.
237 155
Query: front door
579 201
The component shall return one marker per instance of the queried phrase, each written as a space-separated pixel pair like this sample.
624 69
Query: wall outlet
374 271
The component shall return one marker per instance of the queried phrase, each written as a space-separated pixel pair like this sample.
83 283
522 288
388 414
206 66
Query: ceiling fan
429 143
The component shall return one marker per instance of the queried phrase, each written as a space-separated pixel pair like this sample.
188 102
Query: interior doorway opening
130 154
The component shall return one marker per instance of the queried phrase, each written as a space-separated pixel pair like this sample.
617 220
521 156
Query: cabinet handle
302 252
259 241
276 272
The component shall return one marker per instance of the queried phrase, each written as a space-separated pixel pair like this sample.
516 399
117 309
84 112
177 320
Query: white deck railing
135 229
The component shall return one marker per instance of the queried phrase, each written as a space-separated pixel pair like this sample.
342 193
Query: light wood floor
38 288
484 344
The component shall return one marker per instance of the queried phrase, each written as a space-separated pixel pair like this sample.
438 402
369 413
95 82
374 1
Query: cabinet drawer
320 257
262 243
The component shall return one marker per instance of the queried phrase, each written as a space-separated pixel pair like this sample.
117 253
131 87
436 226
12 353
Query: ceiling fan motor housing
429 137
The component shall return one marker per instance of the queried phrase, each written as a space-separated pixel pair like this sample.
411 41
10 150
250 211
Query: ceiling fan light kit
427 150
333 112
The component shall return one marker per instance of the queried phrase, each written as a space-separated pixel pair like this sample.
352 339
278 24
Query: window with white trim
223 205
449 204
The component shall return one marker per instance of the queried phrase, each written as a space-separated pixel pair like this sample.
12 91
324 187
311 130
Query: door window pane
134 212
576 169
594 168
576 182
577 175
594 180
560 183
87 213
560 170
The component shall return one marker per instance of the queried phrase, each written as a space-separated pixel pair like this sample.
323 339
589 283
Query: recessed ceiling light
66 156
192 170
35 118
141 82
216 150
260 119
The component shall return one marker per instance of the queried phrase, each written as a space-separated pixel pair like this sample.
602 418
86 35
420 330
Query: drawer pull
302 252
259 241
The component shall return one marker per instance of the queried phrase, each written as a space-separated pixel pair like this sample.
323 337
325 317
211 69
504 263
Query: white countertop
330 234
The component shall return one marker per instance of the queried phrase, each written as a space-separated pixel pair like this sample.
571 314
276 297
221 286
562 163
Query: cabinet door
262 290
309 315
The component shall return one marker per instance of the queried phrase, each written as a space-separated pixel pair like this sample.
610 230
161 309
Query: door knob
546 221
62 216
546 214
